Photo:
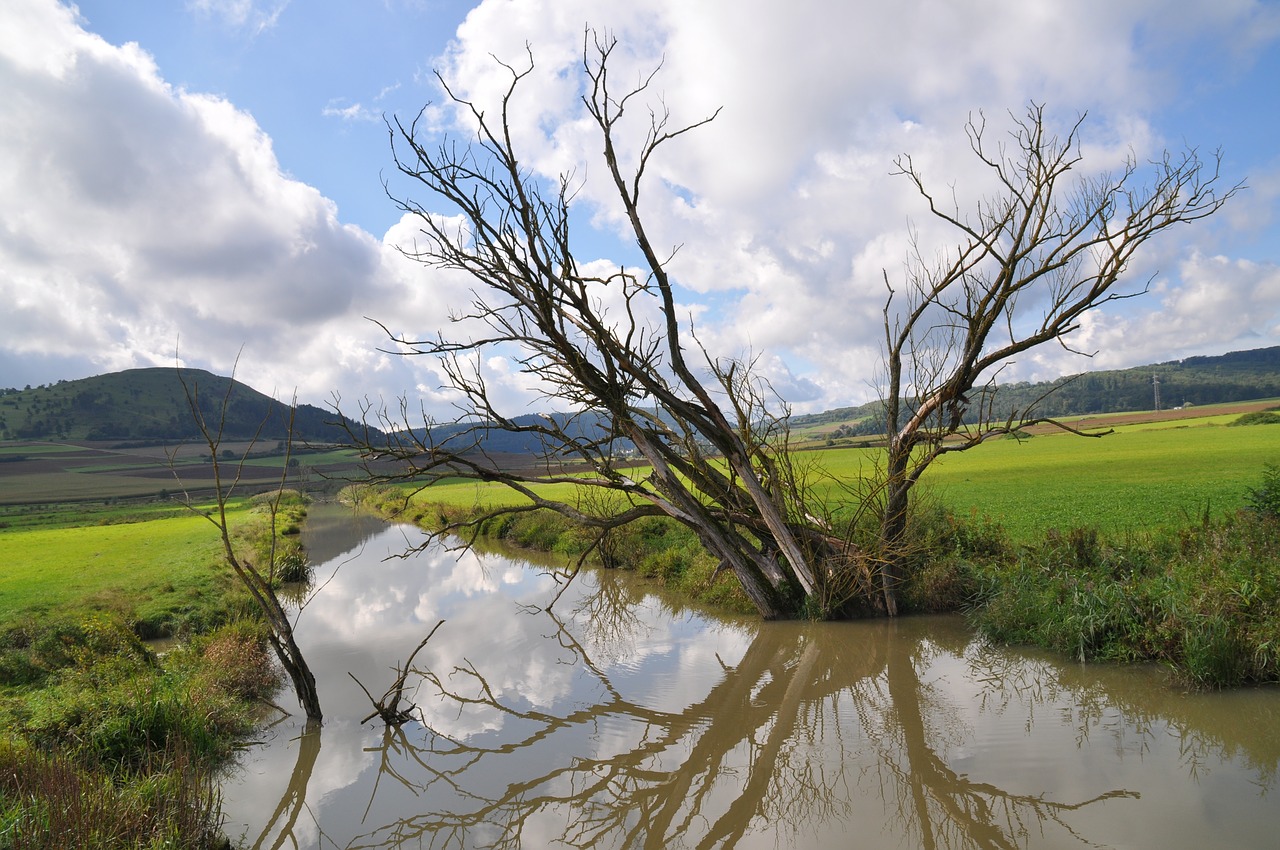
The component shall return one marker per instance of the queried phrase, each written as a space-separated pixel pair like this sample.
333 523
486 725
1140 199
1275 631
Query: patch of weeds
1214 654
110 701
31 652
940 584
1205 599
52 801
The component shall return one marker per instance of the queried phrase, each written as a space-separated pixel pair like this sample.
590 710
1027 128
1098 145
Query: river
621 718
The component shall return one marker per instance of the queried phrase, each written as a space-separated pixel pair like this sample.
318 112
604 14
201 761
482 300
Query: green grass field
153 571
1142 476
1130 480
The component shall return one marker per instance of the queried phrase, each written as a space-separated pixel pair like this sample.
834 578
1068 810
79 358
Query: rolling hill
150 405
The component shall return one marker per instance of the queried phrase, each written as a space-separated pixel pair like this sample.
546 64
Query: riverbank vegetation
107 742
1202 595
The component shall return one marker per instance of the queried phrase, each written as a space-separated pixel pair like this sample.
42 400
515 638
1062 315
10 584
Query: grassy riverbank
1201 595
107 744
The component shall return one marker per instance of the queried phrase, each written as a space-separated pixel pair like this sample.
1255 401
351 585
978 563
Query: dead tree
259 582
1031 259
715 457
614 348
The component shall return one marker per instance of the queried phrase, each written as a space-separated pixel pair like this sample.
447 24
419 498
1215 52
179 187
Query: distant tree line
1237 376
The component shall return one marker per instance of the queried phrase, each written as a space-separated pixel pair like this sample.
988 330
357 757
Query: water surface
620 719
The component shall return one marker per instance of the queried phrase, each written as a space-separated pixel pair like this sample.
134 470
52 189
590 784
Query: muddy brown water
622 719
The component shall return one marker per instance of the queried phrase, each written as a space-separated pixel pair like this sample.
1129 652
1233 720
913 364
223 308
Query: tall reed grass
57 801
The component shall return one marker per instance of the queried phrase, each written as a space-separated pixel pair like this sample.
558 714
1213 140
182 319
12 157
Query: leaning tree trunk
893 528
294 664
280 629
760 577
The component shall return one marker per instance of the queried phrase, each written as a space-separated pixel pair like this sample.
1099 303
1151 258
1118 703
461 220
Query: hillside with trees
150 405
1236 376
146 405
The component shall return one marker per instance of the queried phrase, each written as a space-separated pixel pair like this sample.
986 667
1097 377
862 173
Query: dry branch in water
388 707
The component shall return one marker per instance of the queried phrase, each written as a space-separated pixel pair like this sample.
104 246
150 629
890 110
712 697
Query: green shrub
536 530
939 532
667 565
1258 417
115 748
1265 500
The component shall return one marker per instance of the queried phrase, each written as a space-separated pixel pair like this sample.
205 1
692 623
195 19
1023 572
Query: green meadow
1141 476
160 574
1130 480
107 744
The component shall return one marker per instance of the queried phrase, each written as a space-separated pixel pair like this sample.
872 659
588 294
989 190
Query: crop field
32 472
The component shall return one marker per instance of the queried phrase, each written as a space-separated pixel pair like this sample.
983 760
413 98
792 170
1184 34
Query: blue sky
316 77
205 177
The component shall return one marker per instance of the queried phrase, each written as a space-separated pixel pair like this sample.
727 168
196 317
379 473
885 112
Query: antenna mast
1155 384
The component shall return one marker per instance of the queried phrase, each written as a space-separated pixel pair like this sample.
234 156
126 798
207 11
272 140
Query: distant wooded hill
1237 376
150 405
584 426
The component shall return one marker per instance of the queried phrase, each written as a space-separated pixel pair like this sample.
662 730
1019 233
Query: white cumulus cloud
137 216
139 220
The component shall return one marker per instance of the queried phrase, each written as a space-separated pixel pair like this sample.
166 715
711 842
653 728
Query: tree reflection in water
281 825
771 742
611 727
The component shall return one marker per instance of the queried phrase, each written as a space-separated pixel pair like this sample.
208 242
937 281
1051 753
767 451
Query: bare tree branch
1030 262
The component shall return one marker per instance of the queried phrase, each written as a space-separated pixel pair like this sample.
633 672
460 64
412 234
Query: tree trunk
281 636
893 528
762 578
750 569
304 682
